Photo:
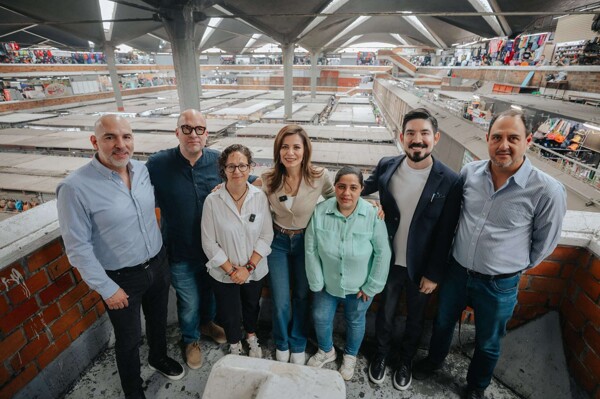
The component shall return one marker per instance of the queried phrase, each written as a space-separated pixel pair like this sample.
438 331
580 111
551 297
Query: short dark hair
349 170
511 113
230 150
419 113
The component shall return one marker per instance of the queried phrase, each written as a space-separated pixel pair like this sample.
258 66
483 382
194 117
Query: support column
181 29
109 52
288 78
314 71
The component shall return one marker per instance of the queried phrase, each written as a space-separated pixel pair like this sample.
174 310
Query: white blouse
230 235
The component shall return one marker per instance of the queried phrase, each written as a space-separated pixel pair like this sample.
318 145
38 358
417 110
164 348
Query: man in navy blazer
421 198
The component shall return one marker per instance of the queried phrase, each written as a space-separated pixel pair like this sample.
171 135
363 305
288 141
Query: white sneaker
282 356
299 358
347 367
255 349
321 358
235 349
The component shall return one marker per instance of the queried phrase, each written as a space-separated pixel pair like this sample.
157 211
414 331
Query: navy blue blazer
434 222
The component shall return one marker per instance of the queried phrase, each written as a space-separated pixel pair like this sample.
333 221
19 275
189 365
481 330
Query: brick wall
44 306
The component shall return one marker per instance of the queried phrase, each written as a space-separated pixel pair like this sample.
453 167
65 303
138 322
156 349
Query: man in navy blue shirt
182 178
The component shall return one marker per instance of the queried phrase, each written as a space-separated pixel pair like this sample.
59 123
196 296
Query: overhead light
516 107
589 125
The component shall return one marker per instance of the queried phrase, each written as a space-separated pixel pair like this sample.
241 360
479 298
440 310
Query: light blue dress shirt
104 224
345 255
513 228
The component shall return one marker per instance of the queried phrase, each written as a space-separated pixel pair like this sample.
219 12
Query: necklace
241 196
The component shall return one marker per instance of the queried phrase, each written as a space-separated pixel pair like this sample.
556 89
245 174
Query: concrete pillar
109 52
288 78
181 29
314 71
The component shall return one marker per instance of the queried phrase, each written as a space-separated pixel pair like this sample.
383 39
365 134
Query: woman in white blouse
236 237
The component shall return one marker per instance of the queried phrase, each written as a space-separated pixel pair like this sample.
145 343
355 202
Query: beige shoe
214 331
347 367
193 355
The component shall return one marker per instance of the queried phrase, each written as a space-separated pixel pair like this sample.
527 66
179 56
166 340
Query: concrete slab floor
101 380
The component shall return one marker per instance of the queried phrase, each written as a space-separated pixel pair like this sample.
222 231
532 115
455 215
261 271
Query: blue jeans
493 302
355 310
195 298
290 312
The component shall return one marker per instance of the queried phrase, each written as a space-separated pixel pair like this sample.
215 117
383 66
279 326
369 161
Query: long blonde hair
275 176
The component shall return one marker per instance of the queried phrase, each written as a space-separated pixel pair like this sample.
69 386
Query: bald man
182 177
108 224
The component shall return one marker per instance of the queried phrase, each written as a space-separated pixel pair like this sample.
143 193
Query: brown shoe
214 331
193 355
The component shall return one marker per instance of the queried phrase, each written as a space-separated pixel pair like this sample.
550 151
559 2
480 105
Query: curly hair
242 149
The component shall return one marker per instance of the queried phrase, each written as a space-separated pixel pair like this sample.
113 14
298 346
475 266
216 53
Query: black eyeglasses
187 129
242 167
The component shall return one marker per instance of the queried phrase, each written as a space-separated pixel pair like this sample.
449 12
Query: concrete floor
102 381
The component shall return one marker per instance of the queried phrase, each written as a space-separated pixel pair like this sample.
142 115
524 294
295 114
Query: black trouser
148 288
415 304
235 303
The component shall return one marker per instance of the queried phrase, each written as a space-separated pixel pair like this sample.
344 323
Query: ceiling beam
501 18
492 21
425 31
332 7
18 30
357 22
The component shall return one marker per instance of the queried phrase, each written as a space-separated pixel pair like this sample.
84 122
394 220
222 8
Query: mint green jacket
346 255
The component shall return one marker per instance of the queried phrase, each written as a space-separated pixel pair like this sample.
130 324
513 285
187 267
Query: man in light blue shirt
510 221
107 220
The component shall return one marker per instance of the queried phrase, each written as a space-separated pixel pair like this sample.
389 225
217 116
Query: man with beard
510 221
421 199
107 221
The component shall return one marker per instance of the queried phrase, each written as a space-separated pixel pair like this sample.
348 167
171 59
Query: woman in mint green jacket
347 260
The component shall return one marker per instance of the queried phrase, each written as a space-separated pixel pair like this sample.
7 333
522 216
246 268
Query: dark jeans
493 302
237 302
290 312
415 317
147 289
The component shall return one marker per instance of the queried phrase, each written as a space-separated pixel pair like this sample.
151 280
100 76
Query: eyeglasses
187 129
242 167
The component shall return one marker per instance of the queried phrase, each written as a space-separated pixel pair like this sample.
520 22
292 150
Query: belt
142 266
489 277
288 232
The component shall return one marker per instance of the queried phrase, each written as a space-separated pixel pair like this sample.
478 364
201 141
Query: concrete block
265 379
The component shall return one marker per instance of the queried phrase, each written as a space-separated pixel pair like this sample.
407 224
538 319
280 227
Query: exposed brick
39 323
546 268
29 352
11 344
3 305
572 292
44 255
4 375
83 324
566 253
514 323
524 282
555 300
567 270
65 321
532 298
18 381
574 342
100 308
592 362
531 312
53 350
6 274
76 274
91 299
595 268
545 284
572 315
59 267
18 315
592 337
582 375
60 286
586 281
73 296
584 259
589 309
32 285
